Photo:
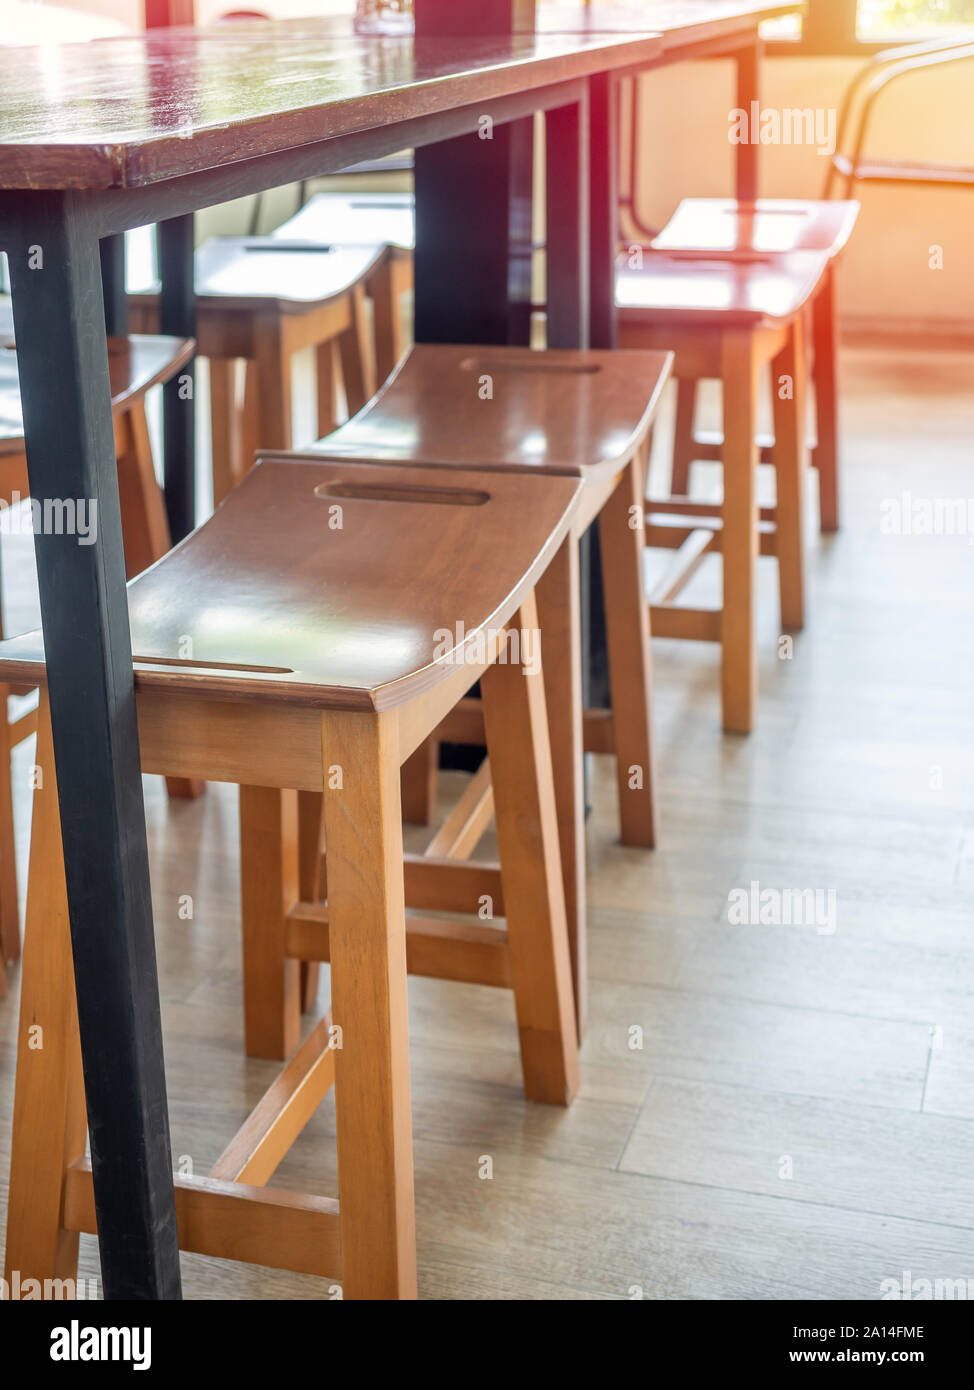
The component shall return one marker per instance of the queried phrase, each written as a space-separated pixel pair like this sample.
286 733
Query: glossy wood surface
279 602
353 219
134 365
289 274
127 112
772 288
559 411
772 225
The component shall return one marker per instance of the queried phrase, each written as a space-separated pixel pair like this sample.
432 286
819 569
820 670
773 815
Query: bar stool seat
724 227
697 290
510 409
340 586
135 364
261 301
247 272
771 226
729 320
588 415
304 640
354 219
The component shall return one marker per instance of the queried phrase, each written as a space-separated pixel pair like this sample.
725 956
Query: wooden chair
135 364
259 302
587 415
723 228
348 573
729 320
369 219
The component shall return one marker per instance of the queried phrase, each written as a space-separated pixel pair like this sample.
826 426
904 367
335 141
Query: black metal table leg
177 315
604 203
472 263
566 222
473 237
603 243
567 179
57 300
112 250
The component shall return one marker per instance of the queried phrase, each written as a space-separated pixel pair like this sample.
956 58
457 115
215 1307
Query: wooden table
494 306
95 139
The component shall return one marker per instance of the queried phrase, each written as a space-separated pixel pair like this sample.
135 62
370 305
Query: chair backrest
858 108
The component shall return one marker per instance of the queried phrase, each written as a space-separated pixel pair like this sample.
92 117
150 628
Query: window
902 20
850 26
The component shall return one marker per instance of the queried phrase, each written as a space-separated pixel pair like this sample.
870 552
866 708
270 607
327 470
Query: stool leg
683 436
9 906
273 368
357 357
386 317
310 881
268 890
739 533
145 526
419 778
519 750
367 948
825 337
225 442
623 536
559 614
326 387
249 421
49 1111
789 463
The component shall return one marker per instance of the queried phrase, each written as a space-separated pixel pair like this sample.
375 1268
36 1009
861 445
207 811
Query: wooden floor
799 1119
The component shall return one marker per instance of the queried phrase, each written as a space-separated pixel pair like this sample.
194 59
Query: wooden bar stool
368 219
729 320
259 302
724 228
347 574
135 364
588 415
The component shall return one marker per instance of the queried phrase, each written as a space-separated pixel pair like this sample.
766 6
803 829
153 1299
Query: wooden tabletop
129 112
